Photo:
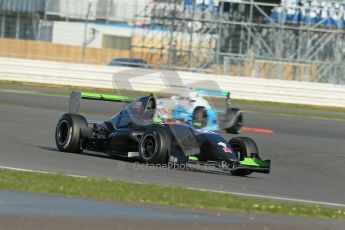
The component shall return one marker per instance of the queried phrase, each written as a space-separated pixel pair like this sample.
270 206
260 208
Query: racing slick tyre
154 146
200 117
243 147
68 134
234 113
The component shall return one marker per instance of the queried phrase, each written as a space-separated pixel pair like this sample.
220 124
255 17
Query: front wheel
154 146
68 134
243 147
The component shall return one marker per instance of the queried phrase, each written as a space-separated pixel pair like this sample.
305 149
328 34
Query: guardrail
150 80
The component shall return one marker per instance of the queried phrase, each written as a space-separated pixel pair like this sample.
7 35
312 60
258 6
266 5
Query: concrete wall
151 80
72 33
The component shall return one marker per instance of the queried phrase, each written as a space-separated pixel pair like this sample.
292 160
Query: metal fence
107 10
241 38
244 39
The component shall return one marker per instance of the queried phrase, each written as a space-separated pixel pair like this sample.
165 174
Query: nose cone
224 150
214 147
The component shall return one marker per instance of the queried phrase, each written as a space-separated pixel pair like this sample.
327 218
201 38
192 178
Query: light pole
85 31
2 25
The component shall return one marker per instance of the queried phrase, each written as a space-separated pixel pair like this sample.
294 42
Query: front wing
254 164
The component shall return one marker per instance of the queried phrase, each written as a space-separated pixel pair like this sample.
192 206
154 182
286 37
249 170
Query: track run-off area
308 154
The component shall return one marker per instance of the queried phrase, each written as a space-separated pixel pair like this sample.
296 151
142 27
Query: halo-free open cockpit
132 130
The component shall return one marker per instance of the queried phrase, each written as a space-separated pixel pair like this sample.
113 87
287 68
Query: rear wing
75 98
216 93
213 92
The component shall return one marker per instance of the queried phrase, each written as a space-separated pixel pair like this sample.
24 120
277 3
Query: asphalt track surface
308 159
308 155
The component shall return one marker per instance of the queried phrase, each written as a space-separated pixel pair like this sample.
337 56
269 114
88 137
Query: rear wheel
236 114
243 147
154 146
68 134
200 117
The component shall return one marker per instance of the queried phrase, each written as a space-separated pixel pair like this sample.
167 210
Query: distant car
129 62
136 131
192 108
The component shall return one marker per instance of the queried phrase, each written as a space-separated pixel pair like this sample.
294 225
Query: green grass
64 90
115 190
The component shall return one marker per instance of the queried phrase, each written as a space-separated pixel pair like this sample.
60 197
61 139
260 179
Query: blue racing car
194 109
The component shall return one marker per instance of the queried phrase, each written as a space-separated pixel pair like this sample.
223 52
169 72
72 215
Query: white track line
38 171
270 197
206 190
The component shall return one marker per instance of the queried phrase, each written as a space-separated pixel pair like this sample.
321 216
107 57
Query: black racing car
136 132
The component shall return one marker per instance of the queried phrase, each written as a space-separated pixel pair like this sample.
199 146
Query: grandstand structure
33 19
263 38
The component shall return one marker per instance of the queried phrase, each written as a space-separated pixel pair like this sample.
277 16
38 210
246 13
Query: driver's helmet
190 95
151 103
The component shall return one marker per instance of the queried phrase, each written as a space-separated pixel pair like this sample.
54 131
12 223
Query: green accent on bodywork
197 124
256 162
193 158
106 97
157 120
